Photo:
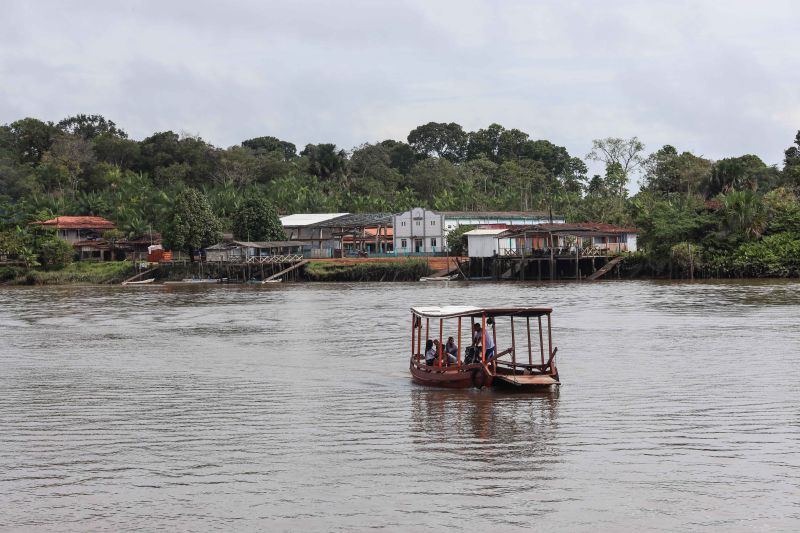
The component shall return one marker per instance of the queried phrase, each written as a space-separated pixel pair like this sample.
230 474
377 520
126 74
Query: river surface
290 408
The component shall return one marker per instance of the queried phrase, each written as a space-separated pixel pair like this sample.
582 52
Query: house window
433 222
403 223
417 222
403 242
433 243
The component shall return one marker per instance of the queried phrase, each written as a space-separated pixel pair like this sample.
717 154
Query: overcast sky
720 78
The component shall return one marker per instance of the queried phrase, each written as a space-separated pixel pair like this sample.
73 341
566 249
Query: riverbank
80 273
406 270
336 270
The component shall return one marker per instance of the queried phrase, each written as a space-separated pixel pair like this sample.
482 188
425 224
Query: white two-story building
418 231
421 230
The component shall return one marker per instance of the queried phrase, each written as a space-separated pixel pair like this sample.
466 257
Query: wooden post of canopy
549 342
458 346
413 332
530 351
419 336
441 327
513 347
494 338
541 339
483 338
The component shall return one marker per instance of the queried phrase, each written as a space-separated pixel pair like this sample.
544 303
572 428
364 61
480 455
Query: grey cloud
718 78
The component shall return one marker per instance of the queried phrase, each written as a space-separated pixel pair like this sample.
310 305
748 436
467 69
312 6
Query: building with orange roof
78 228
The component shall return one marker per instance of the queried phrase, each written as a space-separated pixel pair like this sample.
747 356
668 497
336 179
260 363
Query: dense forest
736 216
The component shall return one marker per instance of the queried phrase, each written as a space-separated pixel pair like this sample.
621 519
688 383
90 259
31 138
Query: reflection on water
291 408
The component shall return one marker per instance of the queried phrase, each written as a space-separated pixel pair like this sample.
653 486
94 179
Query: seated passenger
430 352
451 347
451 359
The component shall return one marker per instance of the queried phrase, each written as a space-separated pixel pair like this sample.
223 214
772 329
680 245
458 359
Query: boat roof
450 311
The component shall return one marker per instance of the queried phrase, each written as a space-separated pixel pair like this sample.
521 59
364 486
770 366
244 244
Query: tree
440 140
269 144
791 169
72 156
31 138
325 161
666 171
485 143
116 150
401 155
55 253
739 173
744 214
90 126
613 150
372 172
432 176
257 220
457 241
192 225
113 236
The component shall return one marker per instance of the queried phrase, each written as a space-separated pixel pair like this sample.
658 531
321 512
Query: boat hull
450 377
474 376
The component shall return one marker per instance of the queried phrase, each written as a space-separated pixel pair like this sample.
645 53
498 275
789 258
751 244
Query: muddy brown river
290 408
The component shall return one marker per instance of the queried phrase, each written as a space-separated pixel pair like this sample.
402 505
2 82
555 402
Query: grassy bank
410 270
110 272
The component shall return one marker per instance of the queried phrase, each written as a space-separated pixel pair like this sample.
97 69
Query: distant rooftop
573 227
79 222
498 214
307 219
356 220
486 231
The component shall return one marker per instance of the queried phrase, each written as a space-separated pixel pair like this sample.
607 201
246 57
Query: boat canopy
452 311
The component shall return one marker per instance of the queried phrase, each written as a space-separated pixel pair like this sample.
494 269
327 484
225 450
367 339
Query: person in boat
477 339
451 359
452 350
430 352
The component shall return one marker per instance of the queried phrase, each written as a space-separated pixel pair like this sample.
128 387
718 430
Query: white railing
273 259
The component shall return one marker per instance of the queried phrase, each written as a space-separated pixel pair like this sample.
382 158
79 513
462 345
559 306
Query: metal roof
228 245
452 311
356 220
584 228
494 231
307 219
498 214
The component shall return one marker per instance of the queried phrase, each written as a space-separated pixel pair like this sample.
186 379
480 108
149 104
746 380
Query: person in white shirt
477 338
430 352
489 345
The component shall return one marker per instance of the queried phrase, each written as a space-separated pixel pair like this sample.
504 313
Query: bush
8 273
55 254
409 270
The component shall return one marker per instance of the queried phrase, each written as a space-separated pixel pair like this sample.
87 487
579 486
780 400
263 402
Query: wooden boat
514 366
439 278
194 281
141 282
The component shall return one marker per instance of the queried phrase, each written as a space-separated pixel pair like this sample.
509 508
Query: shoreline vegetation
115 272
730 217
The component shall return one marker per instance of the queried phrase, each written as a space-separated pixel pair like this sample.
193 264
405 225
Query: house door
418 246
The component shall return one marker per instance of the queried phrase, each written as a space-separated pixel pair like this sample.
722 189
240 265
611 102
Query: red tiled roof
84 222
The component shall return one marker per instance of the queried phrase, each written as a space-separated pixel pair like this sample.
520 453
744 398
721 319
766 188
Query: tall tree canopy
192 224
448 141
257 220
